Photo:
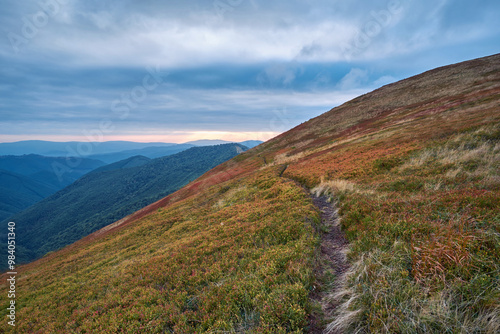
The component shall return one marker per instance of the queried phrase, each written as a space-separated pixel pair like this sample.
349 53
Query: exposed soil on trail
331 266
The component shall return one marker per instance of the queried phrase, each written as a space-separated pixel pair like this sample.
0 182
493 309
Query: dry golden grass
283 158
331 187
463 156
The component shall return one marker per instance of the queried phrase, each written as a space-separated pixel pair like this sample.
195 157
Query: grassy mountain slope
109 194
414 168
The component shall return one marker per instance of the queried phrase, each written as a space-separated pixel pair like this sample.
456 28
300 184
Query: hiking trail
332 264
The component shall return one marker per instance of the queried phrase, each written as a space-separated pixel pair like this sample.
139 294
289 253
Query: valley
108 194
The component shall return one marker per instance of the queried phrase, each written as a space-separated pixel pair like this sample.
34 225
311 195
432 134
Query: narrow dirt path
332 264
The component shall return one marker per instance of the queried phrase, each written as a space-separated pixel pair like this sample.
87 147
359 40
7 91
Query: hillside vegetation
149 152
108 194
414 169
55 172
17 192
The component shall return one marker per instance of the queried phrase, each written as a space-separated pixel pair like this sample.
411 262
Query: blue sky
174 71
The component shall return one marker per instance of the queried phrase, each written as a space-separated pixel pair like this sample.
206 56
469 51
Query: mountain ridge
71 148
90 149
413 168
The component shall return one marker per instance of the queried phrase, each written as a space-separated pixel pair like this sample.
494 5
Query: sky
175 71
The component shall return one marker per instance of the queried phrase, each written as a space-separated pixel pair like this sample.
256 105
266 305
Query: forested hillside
55 172
109 194
17 192
27 179
149 152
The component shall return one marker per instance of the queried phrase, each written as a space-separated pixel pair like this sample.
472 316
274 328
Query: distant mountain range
149 152
93 149
208 142
153 152
28 179
108 194
63 149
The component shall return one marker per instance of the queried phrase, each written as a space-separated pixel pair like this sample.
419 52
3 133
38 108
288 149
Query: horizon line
172 138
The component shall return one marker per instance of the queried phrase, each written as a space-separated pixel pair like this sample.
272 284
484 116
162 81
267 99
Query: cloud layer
223 66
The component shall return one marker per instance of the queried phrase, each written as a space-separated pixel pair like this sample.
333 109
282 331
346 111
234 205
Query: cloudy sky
173 71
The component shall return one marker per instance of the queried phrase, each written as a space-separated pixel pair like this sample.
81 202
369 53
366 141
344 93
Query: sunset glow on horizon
177 138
